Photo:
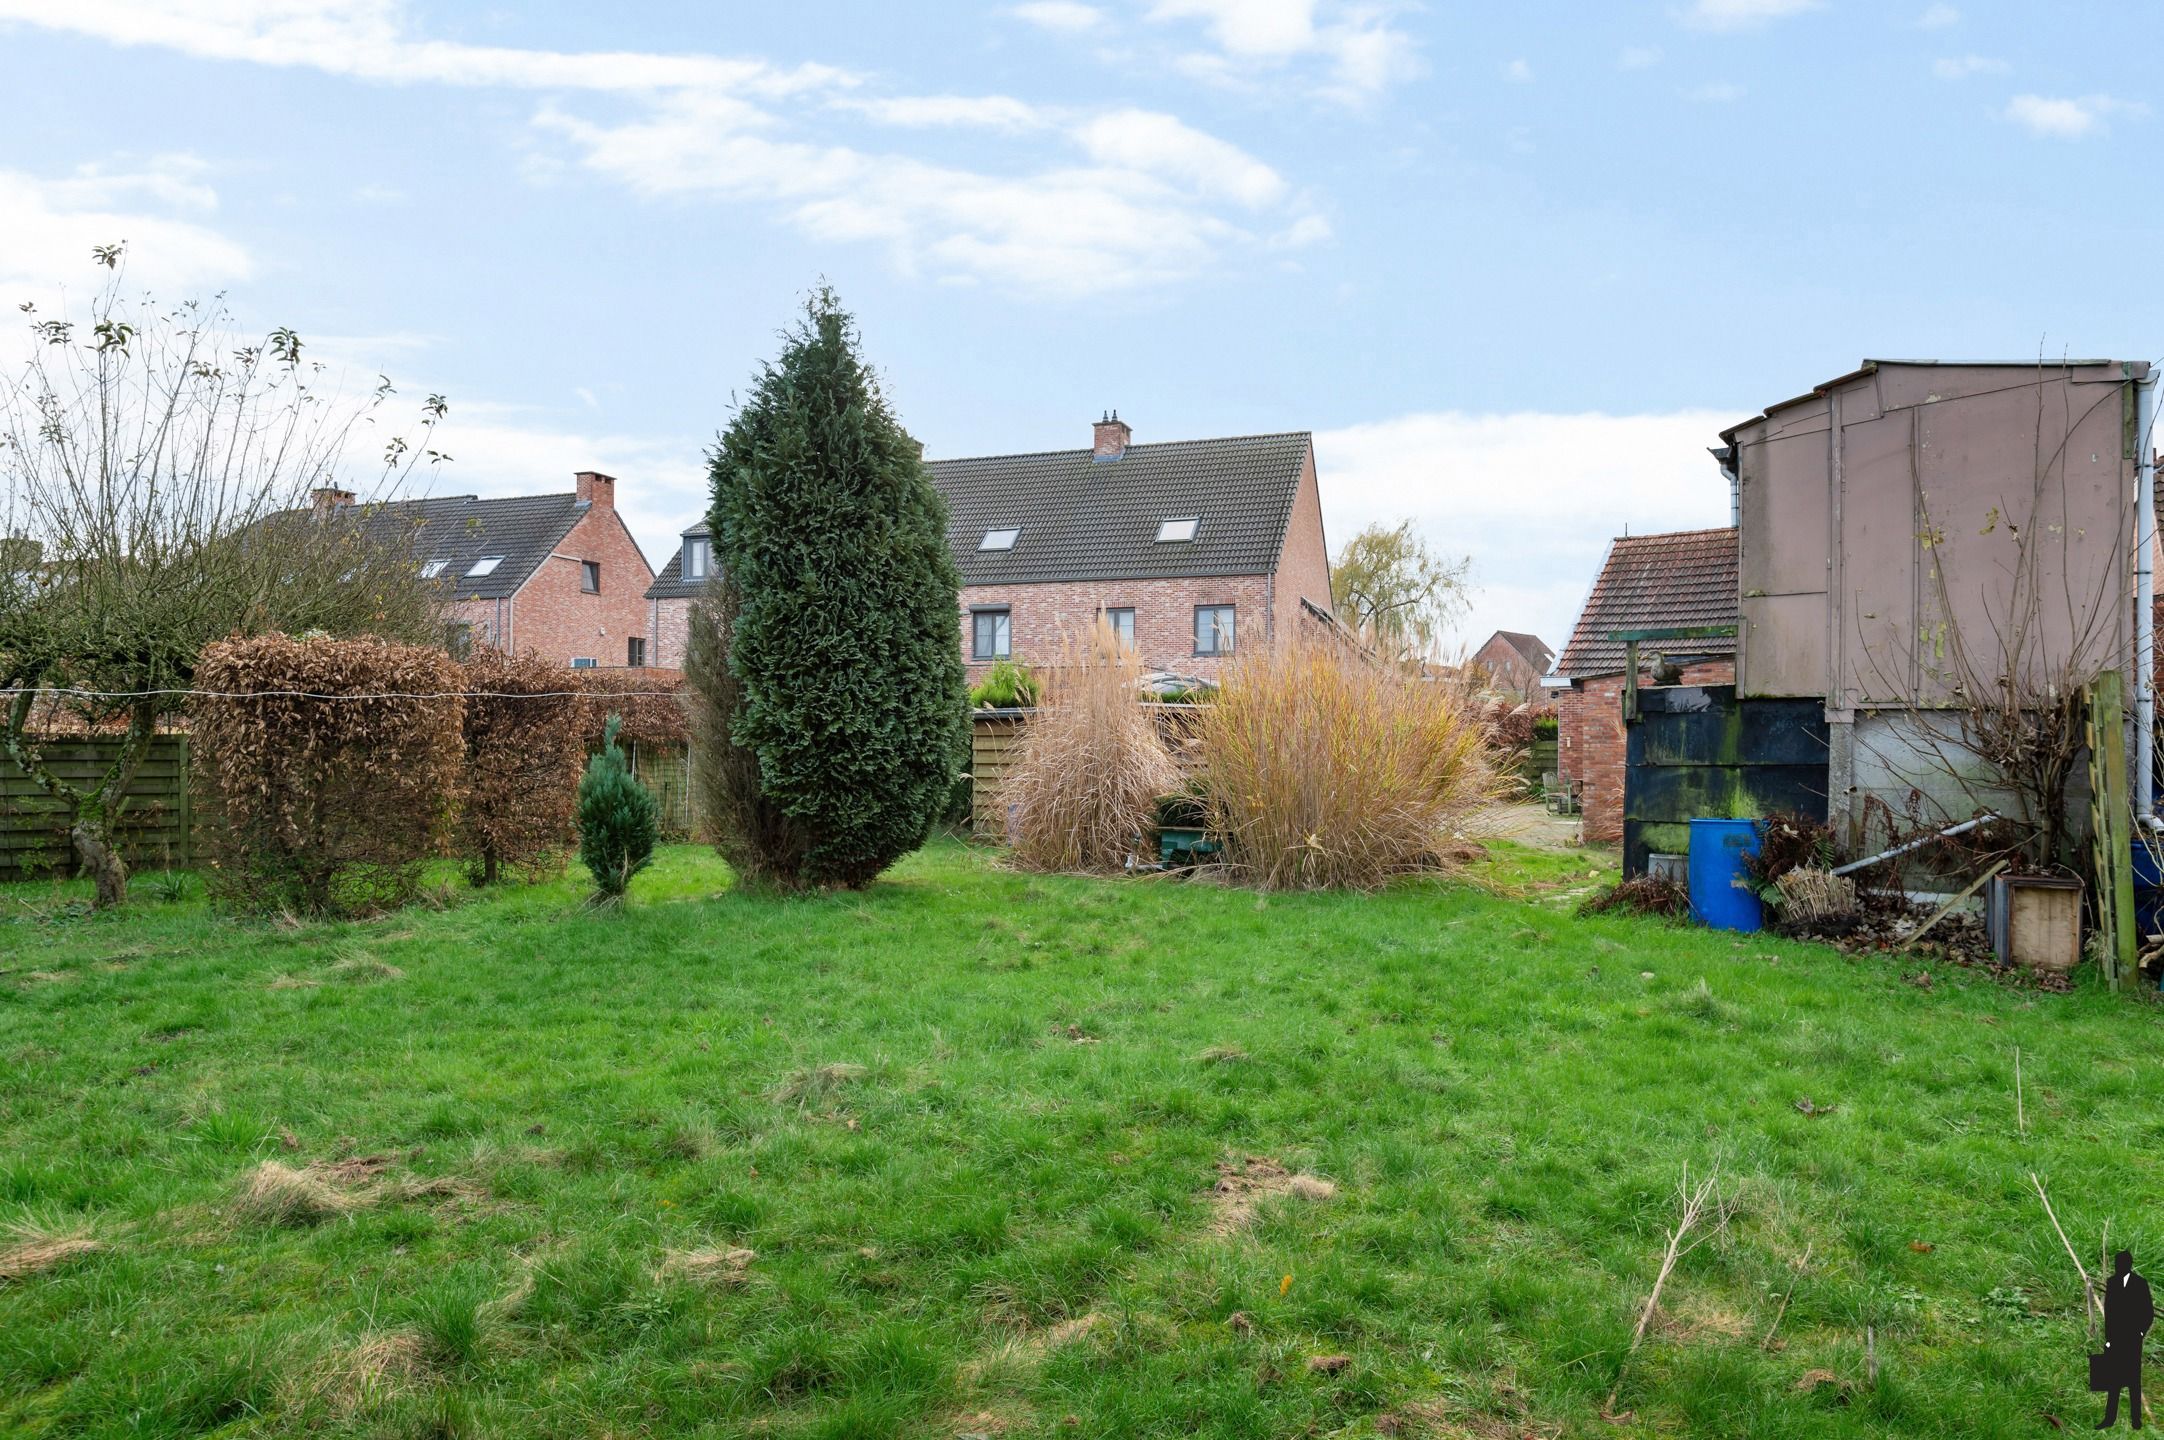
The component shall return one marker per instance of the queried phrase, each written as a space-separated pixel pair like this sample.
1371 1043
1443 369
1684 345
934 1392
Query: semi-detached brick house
1191 549
1684 577
558 576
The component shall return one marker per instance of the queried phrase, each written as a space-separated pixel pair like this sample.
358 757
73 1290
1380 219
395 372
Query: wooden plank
2112 828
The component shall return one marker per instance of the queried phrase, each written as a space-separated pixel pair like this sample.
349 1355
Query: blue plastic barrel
1720 888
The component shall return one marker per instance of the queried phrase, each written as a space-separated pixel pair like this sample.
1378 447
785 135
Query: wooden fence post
2111 826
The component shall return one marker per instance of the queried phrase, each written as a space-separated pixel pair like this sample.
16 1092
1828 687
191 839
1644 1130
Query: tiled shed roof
1087 519
1531 648
1685 577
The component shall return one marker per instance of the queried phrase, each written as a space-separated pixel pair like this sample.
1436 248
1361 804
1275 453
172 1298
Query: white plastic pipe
2145 411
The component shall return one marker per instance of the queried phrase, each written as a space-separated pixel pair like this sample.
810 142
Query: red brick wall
1164 617
669 632
1303 566
1590 745
1506 668
551 616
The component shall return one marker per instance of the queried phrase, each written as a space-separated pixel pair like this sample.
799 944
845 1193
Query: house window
1122 621
991 636
1000 539
486 565
433 568
1213 629
635 651
584 662
590 576
458 639
1171 531
698 557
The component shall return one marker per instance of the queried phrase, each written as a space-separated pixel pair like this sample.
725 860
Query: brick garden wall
1590 745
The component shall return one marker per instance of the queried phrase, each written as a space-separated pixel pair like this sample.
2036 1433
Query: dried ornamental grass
1090 765
34 1249
1325 769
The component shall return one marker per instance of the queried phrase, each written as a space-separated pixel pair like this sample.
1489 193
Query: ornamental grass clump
618 825
1324 769
1085 779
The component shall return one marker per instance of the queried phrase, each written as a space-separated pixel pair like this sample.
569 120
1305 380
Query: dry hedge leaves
523 757
324 804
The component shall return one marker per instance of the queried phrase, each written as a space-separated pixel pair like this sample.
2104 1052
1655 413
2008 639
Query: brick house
1684 577
669 597
1191 548
558 576
1513 662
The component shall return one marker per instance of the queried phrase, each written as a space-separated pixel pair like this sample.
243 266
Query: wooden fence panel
994 734
154 829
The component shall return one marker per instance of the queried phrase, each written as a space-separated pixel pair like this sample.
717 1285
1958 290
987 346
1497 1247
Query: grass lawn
972 1126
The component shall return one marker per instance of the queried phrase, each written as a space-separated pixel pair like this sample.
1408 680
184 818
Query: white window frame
585 662
1001 538
1179 530
486 565
433 568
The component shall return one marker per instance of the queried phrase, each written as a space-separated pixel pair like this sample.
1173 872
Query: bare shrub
524 746
1090 765
1325 769
328 769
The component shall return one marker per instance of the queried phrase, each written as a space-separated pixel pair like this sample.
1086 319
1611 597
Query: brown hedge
524 748
324 804
649 719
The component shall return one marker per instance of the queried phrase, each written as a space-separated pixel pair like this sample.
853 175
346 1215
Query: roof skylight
433 568
1175 530
486 565
1000 539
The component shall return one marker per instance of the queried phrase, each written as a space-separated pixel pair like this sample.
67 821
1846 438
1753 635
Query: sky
1514 265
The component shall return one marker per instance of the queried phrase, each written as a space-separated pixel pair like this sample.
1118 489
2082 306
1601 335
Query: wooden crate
2035 922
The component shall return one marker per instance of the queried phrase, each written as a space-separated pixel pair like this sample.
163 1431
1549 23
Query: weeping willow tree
156 473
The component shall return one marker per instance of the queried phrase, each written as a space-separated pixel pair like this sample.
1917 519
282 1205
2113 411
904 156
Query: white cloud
1360 51
1128 197
2071 118
1718 92
1518 72
989 112
1065 17
1533 498
1938 17
1155 144
153 206
1960 67
1742 14
1638 57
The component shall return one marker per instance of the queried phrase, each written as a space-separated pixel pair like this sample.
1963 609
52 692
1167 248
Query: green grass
970 1122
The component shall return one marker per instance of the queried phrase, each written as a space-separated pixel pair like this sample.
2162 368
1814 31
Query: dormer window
486 565
1000 539
433 568
1176 531
698 557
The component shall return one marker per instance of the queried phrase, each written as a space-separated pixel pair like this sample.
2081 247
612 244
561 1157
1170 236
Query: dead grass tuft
1222 1055
294 982
1244 1185
37 1248
278 1194
1016 1357
362 968
718 1266
815 1086
380 1369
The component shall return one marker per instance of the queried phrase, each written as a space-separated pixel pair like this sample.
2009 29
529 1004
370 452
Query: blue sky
1515 265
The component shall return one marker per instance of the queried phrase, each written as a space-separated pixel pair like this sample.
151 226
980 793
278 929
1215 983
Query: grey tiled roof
1684 577
670 584
1088 519
460 529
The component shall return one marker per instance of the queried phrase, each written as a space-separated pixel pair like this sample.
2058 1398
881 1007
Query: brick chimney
597 489
1112 437
327 498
